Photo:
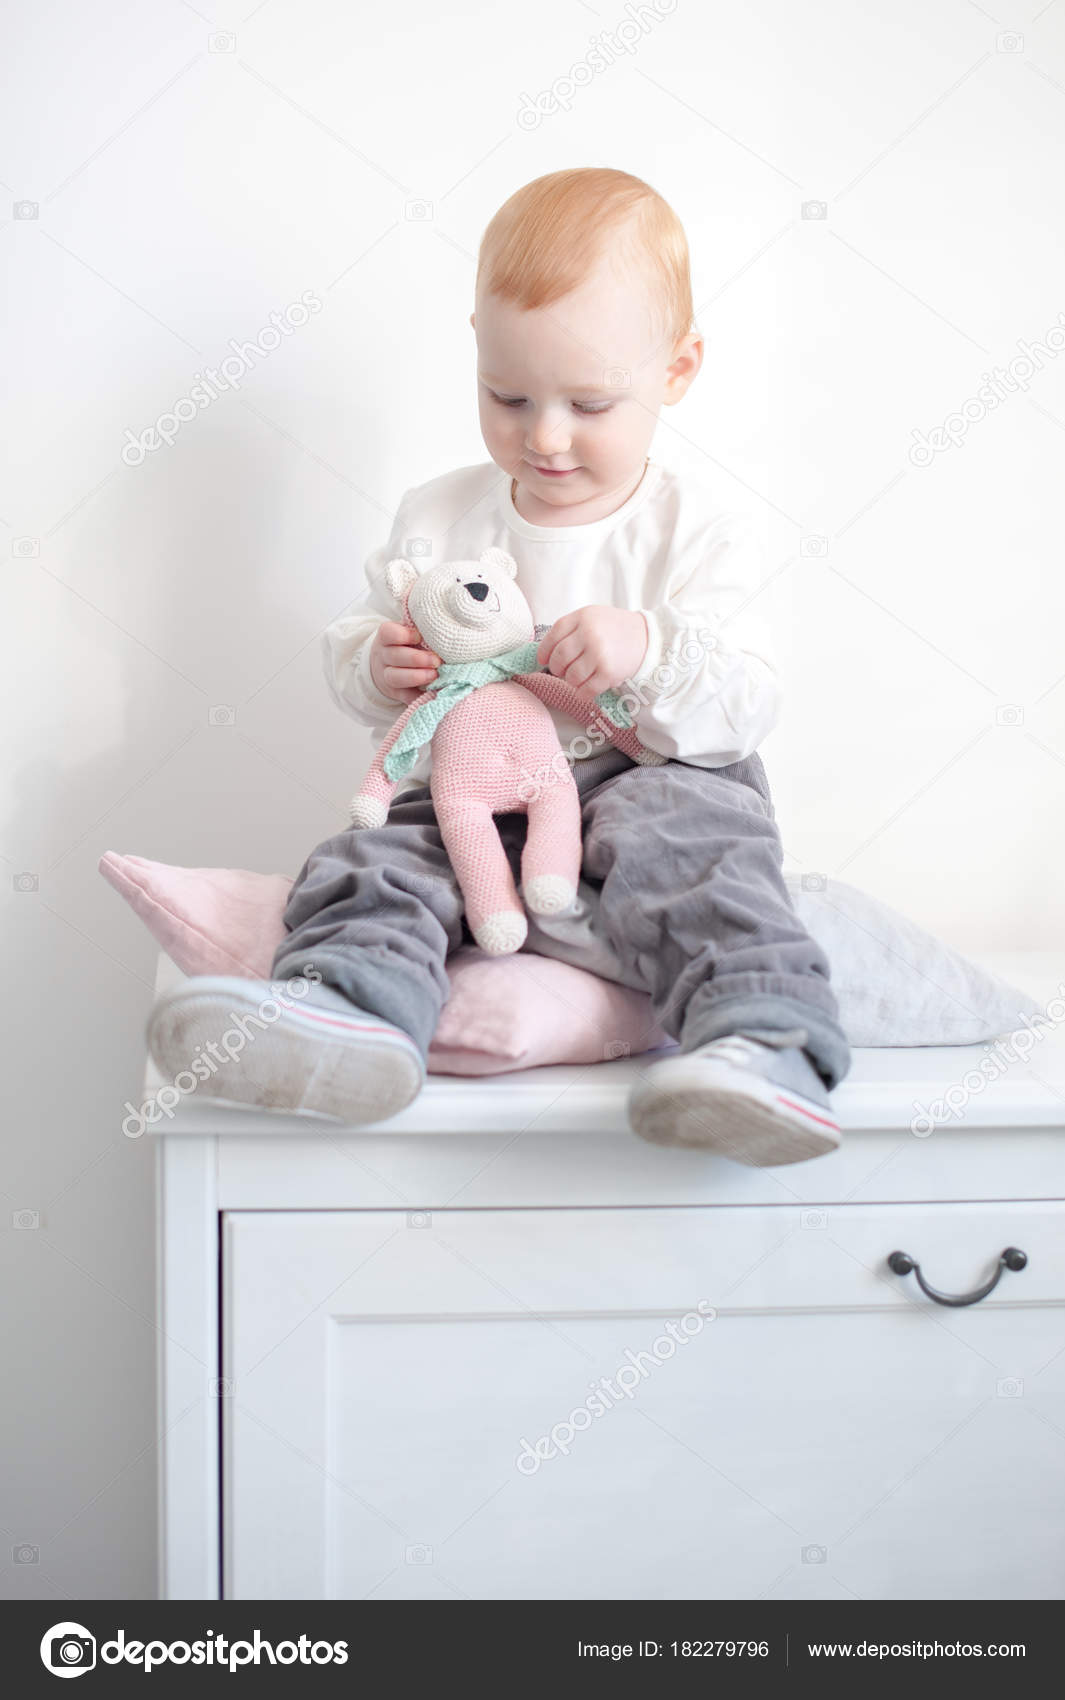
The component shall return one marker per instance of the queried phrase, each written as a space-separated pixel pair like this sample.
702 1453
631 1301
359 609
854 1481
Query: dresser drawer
643 1403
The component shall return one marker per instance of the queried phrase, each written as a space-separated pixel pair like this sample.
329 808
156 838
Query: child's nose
548 435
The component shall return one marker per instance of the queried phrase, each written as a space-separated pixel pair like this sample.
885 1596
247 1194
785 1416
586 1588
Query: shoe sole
762 1131
313 1061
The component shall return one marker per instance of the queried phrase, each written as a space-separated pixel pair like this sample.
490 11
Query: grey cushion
896 984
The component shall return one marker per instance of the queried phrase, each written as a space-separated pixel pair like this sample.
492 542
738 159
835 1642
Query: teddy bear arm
369 806
558 694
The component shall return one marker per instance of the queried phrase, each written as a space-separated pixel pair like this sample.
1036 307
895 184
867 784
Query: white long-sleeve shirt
707 684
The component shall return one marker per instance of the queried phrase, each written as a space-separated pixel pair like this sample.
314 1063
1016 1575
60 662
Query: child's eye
579 406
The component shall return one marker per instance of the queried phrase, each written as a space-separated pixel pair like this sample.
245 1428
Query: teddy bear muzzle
474 603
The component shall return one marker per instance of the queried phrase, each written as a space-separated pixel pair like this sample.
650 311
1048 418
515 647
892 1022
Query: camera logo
816 210
26 209
68 1649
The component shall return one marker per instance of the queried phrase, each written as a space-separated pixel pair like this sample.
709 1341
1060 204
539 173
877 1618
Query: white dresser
499 1348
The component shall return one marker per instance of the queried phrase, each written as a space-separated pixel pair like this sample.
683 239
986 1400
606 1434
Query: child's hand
400 670
595 648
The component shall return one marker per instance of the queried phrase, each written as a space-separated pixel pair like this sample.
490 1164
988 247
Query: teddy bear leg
494 911
551 859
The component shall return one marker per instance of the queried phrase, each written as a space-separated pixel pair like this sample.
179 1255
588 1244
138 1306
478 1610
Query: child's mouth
551 472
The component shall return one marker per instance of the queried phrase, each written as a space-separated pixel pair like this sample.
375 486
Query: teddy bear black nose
477 591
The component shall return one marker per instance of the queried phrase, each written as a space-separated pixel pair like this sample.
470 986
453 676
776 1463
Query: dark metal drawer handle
901 1263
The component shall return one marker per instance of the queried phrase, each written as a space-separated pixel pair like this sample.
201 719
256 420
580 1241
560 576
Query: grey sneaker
285 1045
754 1097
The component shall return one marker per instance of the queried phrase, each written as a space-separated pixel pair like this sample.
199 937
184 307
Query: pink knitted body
498 751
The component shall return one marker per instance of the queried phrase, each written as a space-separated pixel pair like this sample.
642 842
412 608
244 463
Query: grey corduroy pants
686 866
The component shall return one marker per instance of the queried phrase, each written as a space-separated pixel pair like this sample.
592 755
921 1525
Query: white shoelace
733 1049
737 1048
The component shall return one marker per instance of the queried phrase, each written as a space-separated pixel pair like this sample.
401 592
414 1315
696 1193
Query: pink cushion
521 1011
209 920
504 1012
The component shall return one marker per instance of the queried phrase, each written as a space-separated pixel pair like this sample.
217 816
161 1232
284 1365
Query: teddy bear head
464 610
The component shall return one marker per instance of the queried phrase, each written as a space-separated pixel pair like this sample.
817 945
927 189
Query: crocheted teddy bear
494 744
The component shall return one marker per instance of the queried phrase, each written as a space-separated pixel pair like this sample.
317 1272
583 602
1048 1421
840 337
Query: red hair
545 240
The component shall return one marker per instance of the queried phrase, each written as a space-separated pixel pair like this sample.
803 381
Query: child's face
570 394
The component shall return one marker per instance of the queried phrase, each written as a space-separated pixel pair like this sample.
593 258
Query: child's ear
399 576
684 367
499 558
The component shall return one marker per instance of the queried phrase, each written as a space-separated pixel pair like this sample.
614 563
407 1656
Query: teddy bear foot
367 811
548 894
501 934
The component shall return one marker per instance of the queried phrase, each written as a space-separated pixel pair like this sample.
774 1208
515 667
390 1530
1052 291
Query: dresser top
916 1090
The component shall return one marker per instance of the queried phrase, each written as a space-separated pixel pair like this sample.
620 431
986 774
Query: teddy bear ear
399 576
499 558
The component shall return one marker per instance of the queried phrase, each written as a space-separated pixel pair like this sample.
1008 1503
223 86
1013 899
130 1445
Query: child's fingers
398 655
595 683
565 653
401 678
392 635
579 675
561 629
394 631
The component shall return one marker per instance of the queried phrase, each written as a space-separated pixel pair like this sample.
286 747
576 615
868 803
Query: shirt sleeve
708 684
346 643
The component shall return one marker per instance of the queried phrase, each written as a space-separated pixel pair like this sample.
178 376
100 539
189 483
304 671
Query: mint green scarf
454 681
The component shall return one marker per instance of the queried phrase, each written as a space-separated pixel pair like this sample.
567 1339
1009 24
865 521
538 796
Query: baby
584 329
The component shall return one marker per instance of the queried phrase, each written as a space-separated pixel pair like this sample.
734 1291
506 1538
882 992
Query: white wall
182 195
